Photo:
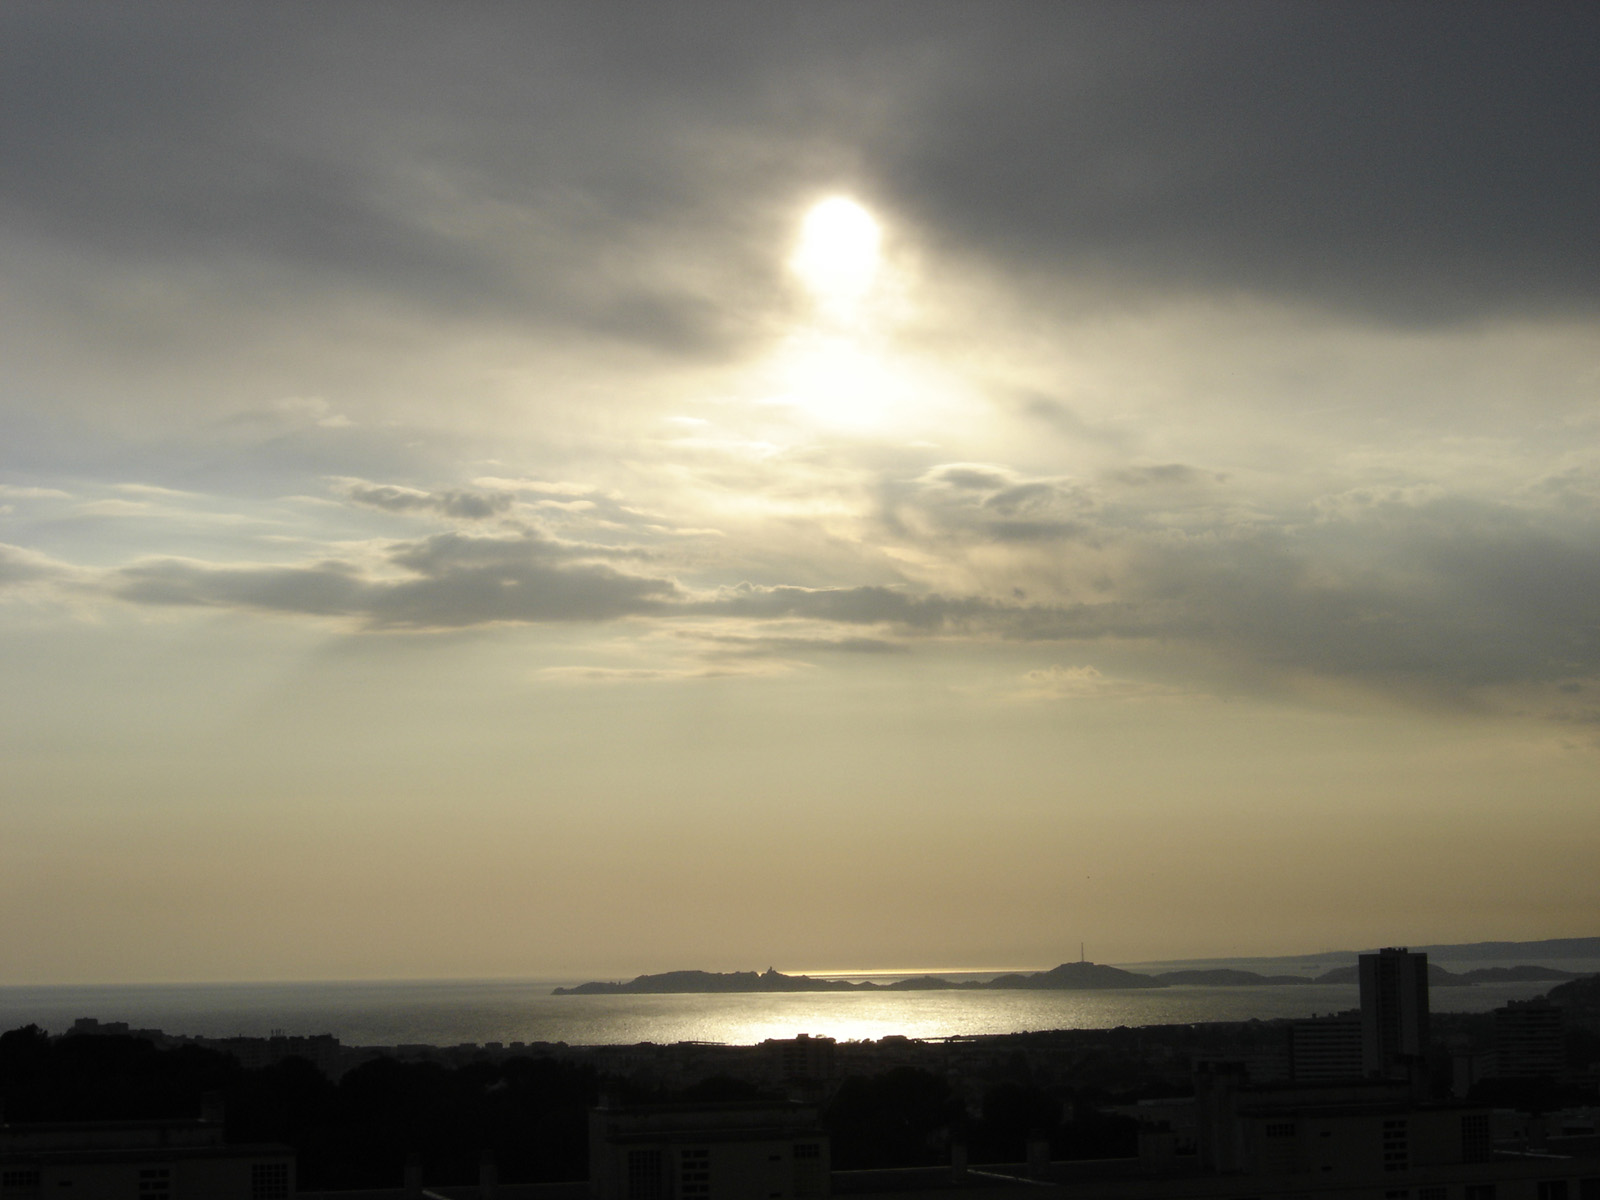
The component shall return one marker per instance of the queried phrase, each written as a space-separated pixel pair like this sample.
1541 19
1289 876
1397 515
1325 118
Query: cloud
116 507
621 179
1166 475
846 606
315 409
976 501
1086 682
1452 597
316 589
736 645
1428 597
1395 161
461 505
447 582
1405 589
1575 489
540 487
1064 420
1375 503
155 490
20 566
612 675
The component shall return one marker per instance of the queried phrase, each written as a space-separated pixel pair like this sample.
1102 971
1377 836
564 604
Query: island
1078 976
1068 977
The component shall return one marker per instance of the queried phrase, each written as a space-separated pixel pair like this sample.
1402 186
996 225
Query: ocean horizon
506 1011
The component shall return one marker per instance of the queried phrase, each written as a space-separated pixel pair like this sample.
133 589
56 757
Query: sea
462 1012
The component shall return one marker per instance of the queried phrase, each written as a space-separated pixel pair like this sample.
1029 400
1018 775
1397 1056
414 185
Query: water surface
454 1012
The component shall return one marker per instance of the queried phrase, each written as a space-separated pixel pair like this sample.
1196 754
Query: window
19 1182
1432 1193
1479 1191
1552 1189
1280 1129
155 1183
694 1173
1475 1144
269 1181
1396 1146
809 1179
644 1175
1589 1189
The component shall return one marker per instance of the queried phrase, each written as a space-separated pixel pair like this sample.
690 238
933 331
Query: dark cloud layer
1439 599
451 582
1425 161
620 173
1419 161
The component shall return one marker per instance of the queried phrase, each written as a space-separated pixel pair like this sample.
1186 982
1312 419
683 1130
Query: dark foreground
891 1104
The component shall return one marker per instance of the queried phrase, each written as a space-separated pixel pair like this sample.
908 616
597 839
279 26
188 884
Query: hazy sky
574 490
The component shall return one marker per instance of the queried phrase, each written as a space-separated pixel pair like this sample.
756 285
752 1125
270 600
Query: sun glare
838 368
838 253
836 381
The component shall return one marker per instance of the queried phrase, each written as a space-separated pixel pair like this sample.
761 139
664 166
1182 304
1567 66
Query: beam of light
837 382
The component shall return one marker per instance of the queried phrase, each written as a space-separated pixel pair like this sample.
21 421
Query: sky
567 491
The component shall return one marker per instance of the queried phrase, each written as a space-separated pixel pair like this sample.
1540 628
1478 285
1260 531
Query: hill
1223 977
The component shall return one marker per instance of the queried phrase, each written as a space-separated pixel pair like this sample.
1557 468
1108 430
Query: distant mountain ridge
1510 952
1439 977
1077 976
1579 996
1228 977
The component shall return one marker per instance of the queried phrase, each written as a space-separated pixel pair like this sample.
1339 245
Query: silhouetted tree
1012 1114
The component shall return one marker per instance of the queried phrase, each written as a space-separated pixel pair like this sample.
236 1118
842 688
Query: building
800 1059
139 1160
1326 1049
751 1151
1530 1040
1357 1140
1359 1128
1394 1012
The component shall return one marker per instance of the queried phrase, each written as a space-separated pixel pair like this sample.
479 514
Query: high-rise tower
1394 1012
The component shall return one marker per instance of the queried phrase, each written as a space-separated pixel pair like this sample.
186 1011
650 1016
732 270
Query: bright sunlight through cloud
838 254
836 368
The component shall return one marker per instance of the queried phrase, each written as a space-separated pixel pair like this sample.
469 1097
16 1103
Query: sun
838 254
837 368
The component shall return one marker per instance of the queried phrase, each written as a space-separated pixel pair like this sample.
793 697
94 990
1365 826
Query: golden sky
556 491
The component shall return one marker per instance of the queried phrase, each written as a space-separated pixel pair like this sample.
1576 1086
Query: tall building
1326 1049
1394 1012
1529 1039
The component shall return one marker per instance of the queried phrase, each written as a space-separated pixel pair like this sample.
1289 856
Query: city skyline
557 492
